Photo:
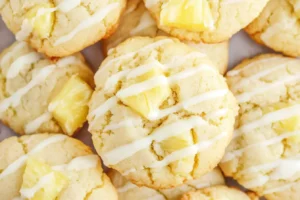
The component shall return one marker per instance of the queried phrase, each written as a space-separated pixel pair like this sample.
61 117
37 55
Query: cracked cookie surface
237 13
278 29
264 153
137 21
128 191
161 113
218 192
29 82
32 167
60 28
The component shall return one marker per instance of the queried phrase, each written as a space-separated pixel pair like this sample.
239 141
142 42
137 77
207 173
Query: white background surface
241 47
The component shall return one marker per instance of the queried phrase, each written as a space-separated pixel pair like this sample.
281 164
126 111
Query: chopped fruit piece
148 101
70 106
288 125
177 142
42 19
192 15
41 182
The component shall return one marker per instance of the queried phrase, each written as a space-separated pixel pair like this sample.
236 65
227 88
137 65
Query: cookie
218 192
137 21
39 95
204 21
61 28
128 191
278 28
170 106
47 166
264 153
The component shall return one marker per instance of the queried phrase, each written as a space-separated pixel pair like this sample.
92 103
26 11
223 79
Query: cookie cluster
164 120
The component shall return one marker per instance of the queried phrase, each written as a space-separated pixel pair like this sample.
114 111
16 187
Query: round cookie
170 106
264 153
218 192
47 166
62 27
128 191
137 21
42 95
219 21
278 28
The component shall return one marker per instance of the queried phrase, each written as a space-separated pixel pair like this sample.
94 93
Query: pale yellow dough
191 112
219 193
137 21
229 17
128 191
86 179
264 153
28 82
278 29
76 24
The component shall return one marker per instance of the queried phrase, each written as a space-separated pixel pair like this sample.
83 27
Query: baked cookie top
129 191
170 106
220 193
264 153
137 21
42 95
204 20
62 27
46 166
278 28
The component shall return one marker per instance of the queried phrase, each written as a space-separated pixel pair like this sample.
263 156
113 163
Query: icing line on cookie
145 22
79 163
131 122
280 188
35 124
42 182
237 153
246 96
11 53
14 166
21 62
94 19
267 119
114 156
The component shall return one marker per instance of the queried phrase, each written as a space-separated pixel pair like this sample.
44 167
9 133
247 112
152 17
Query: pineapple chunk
288 125
40 182
70 106
191 15
42 19
149 101
177 142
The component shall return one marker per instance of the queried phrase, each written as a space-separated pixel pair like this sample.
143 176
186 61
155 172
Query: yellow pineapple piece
148 101
70 106
288 125
191 15
40 182
177 142
42 19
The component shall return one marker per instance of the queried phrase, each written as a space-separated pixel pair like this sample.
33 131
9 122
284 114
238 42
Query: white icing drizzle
269 118
255 63
20 63
14 99
30 192
260 181
10 54
128 186
26 29
35 124
94 19
237 153
79 163
146 21
14 166
121 153
68 5
219 113
188 151
280 188
125 123
246 96
103 108
63 62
